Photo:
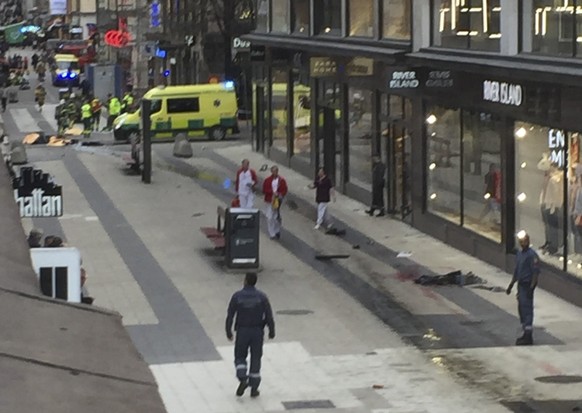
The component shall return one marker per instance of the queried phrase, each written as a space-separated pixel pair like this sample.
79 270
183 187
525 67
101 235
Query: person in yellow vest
126 102
114 109
96 109
87 117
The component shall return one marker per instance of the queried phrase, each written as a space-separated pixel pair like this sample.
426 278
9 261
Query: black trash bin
241 233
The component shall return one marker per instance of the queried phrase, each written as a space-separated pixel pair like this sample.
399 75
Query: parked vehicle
198 110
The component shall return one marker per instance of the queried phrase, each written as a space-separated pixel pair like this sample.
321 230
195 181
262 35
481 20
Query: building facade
473 106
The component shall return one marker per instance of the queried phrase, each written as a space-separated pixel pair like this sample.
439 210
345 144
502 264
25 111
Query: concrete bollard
182 148
18 153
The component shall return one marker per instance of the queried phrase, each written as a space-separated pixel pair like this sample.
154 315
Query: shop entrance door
397 157
260 120
327 147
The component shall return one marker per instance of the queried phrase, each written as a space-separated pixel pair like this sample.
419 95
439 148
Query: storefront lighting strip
454 15
537 21
442 21
485 20
495 36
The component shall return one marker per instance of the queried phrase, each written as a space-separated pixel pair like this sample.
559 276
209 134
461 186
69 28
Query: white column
420 24
509 27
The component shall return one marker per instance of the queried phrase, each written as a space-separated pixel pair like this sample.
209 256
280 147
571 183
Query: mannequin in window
551 204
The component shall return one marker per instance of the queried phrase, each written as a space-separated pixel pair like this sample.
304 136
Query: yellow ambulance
198 110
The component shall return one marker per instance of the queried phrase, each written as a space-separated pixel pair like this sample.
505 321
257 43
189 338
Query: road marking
24 120
48 113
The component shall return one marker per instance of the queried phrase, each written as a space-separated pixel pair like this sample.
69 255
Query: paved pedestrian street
353 335
147 259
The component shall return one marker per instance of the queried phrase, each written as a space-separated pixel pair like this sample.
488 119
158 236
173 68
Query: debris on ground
451 278
404 254
378 386
335 231
326 257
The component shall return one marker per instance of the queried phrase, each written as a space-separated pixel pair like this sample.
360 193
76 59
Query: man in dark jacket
378 183
253 312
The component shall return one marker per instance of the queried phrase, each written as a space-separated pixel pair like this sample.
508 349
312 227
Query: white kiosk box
59 272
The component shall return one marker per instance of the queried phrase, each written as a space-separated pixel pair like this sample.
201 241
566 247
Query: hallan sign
503 93
36 195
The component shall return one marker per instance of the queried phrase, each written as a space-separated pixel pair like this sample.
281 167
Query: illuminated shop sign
404 80
557 146
503 93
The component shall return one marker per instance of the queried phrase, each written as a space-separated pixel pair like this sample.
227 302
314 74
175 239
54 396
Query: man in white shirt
246 180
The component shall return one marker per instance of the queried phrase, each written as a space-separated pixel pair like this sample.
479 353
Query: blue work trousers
525 305
249 338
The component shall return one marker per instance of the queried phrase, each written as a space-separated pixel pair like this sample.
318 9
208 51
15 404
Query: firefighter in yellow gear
114 109
87 118
126 102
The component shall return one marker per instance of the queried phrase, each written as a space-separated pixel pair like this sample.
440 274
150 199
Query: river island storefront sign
502 92
36 195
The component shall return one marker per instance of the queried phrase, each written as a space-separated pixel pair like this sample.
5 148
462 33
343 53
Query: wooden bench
216 234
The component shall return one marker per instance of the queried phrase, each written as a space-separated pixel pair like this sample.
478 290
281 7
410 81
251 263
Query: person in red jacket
246 180
275 189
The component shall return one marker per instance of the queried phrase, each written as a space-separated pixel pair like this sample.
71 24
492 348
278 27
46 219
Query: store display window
279 16
361 137
464 169
301 118
549 193
443 139
300 10
328 17
396 19
279 108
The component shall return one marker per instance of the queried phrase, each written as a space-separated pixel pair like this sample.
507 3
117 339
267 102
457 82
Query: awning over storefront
526 67
328 46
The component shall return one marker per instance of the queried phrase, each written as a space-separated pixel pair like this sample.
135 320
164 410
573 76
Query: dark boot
525 340
382 213
255 393
370 211
242 387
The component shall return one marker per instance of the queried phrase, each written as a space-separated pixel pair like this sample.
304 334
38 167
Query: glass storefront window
467 24
262 16
301 119
279 15
551 27
362 18
361 133
482 192
539 188
443 128
328 15
279 108
396 19
300 16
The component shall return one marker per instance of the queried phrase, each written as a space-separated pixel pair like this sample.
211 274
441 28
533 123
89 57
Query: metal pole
146 172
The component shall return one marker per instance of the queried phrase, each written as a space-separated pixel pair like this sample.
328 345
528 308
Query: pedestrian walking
126 102
40 96
253 312
526 274
378 184
3 97
246 181
275 190
324 192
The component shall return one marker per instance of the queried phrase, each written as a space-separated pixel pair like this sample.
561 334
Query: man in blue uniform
253 312
526 273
